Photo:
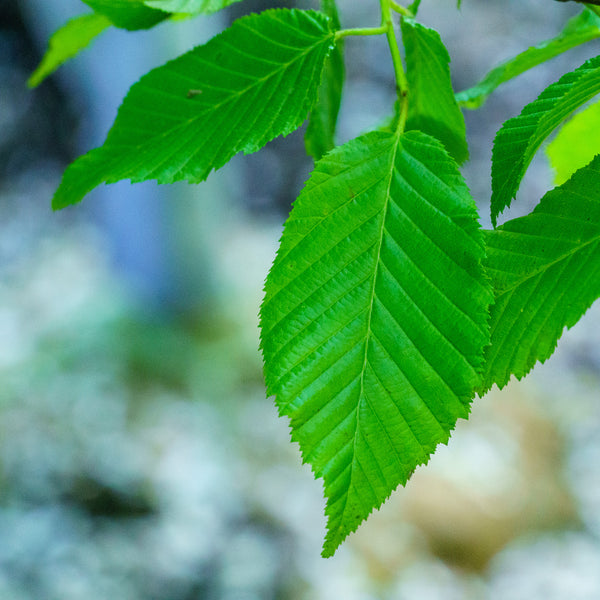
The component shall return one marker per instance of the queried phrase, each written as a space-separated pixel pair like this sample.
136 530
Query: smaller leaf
545 268
320 133
576 144
578 30
190 7
432 107
254 81
128 14
519 138
67 42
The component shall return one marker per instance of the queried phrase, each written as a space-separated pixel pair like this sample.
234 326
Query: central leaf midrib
368 334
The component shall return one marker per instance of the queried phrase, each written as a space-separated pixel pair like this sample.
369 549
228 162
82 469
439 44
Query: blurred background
139 456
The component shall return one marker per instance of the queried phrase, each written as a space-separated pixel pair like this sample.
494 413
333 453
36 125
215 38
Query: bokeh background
139 456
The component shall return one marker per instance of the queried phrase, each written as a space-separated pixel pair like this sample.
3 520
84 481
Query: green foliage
191 7
74 36
583 28
520 138
251 83
375 317
432 107
576 143
387 308
127 14
320 132
546 273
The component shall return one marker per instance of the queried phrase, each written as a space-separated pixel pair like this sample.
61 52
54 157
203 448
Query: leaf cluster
388 307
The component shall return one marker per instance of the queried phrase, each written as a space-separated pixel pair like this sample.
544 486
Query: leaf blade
190 7
519 138
67 42
322 123
432 105
127 14
363 294
576 144
243 84
581 29
546 273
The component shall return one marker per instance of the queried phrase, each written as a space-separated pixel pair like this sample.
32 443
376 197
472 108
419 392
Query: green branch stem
405 12
342 33
401 80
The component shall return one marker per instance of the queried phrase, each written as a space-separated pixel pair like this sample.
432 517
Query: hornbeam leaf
546 273
66 42
127 14
254 81
520 137
190 7
375 317
576 144
320 132
583 28
432 107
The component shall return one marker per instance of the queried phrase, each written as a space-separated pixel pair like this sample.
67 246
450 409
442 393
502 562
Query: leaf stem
342 33
405 12
595 9
401 80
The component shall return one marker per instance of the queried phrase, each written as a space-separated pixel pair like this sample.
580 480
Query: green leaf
432 108
578 30
191 7
320 132
576 144
127 14
375 317
520 137
546 273
254 81
66 42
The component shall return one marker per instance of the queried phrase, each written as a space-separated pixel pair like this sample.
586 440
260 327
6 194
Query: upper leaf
255 81
546 273
66 42
375 317
520 137
191 7
578 30
432 106
322 123
128 14
576 144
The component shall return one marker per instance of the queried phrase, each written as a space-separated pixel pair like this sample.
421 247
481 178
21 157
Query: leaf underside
432 106
375 317
251 83
546 273
520 137
583 28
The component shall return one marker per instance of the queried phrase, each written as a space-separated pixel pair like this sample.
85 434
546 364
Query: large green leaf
191 7
576 144
322 123
375 317
66 42
578 30
519 138
255 81
432 107
128 14
546 273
